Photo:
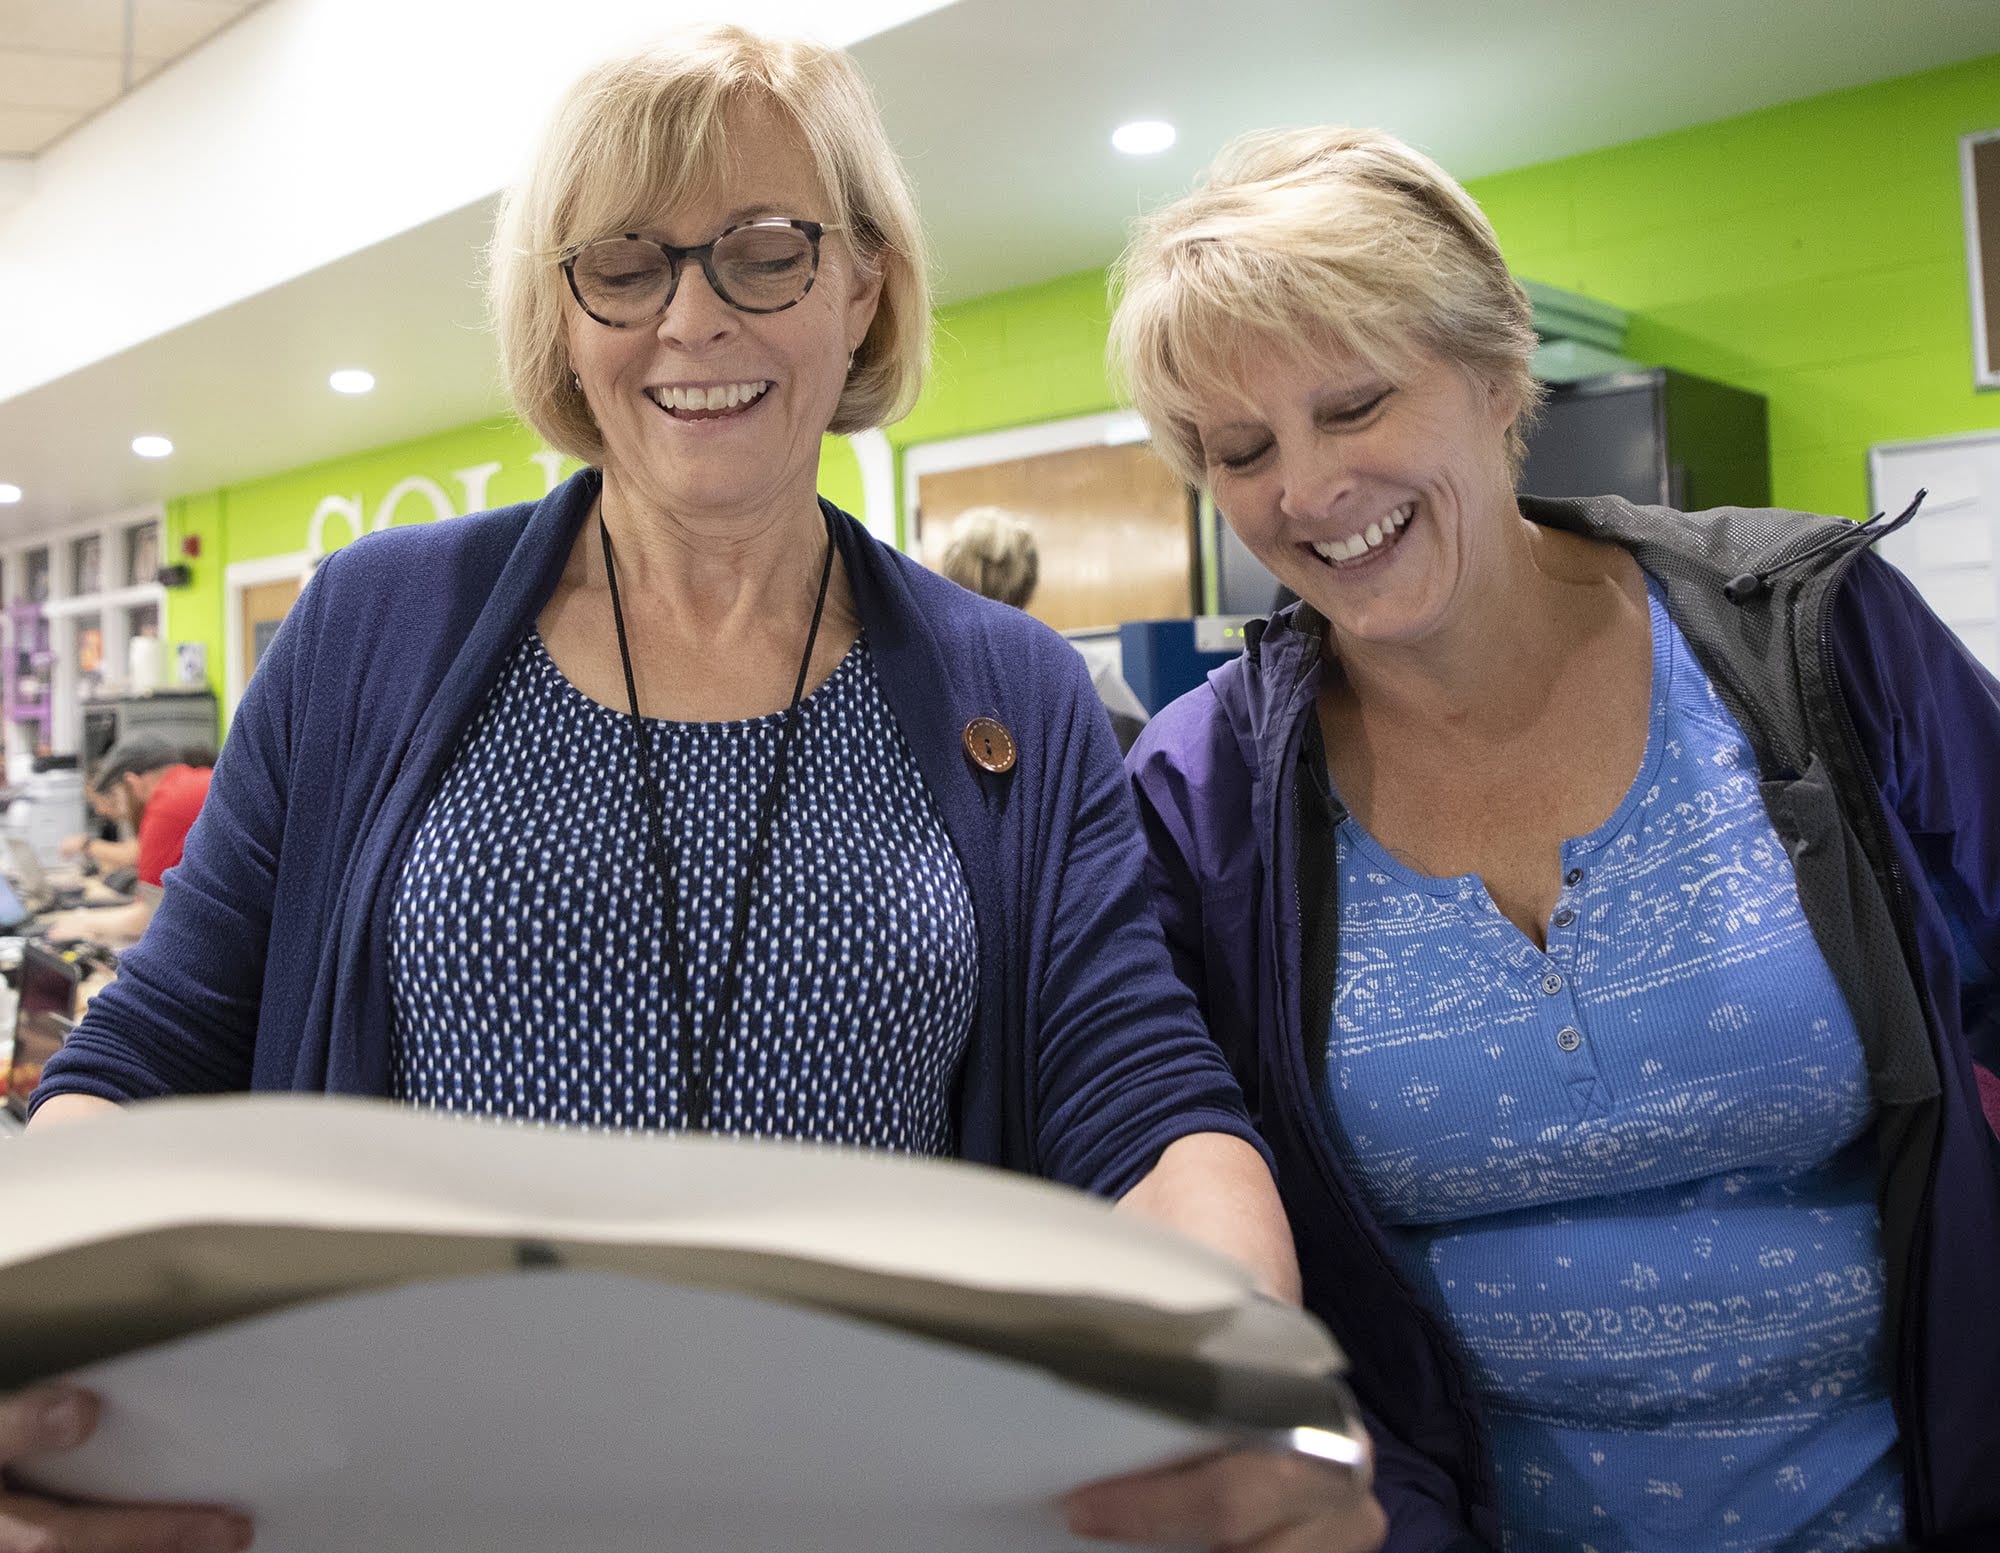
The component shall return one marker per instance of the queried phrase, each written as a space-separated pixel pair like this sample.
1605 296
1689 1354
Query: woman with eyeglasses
675 800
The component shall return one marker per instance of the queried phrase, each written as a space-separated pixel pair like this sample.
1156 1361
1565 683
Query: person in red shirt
145 782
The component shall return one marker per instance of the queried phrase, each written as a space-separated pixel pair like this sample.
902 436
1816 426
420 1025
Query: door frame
1985 370
1108 429
236 579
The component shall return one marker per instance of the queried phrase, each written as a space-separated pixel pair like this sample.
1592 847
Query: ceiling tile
24 131
164 29
72 26
83 82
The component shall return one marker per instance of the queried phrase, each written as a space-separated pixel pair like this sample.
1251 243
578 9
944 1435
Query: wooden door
265 604
1113 525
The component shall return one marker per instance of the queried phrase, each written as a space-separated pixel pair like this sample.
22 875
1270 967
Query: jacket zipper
1909 1342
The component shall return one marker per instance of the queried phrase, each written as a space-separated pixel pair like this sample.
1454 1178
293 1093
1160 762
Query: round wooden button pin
990 745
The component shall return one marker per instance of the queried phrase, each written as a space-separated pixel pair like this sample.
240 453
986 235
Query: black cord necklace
696 1054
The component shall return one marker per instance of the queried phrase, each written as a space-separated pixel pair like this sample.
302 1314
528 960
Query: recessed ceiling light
9 494
351 380
152 447
1143 137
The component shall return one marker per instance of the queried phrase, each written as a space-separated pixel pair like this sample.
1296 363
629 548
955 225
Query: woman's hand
1239 1501
51 1418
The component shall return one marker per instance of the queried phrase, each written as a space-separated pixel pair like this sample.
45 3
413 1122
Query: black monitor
42 1019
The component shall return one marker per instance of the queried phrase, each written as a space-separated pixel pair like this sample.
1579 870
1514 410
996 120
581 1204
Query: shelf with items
142 553
86 574
145 668
86 646
25 697
99 616
35 575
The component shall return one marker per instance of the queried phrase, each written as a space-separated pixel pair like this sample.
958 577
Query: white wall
307 131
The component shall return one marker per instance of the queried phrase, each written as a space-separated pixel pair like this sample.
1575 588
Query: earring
850 363
576 382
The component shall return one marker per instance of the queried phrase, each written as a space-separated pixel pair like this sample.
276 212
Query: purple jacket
267 965
1878 742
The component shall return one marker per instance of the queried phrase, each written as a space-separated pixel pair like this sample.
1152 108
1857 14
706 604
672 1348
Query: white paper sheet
602 1414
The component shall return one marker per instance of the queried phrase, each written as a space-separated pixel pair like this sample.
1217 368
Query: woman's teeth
726 396
1373 537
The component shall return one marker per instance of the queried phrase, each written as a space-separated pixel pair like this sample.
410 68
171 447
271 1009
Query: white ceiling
1002 108
63 60
243 392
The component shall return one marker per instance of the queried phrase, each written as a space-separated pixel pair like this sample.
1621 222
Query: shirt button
1552 984
1574 876
1569 1040
1565 917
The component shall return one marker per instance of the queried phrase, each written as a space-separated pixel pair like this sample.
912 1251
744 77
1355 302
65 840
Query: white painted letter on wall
345 508
415 485
550 462
474 482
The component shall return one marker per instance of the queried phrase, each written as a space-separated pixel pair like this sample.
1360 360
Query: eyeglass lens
758 268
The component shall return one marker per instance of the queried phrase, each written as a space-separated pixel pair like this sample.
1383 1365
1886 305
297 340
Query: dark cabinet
1658 437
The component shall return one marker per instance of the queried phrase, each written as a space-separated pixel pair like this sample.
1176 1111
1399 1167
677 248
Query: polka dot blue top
1633 1170
530 965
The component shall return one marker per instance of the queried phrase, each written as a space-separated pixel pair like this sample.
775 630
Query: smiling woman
1633 1143
672 801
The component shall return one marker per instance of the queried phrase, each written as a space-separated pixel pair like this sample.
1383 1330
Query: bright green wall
1015 358
194 613
1813 252
273 516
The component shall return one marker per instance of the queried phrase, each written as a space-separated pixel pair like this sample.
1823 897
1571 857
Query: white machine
46 808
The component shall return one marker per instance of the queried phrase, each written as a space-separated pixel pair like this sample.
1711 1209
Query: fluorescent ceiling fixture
1143 137
152 447
351 380
9 494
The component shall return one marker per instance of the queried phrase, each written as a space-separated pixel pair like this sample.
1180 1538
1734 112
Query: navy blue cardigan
267 964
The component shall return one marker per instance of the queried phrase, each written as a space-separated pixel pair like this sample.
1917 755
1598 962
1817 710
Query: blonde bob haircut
993 553
1342 238
645 132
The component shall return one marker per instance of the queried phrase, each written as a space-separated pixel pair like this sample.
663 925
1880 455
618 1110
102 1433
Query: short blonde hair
1346 237
993 553
643 132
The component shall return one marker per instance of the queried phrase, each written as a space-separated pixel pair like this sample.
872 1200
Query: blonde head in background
647 131
1343 237
993 553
